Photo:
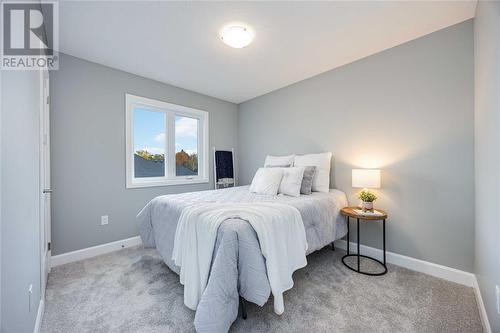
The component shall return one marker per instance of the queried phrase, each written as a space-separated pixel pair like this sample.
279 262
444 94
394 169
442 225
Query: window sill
169 182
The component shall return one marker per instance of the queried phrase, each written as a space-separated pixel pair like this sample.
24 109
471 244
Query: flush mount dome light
236 36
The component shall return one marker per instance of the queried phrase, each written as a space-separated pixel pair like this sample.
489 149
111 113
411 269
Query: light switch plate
104 219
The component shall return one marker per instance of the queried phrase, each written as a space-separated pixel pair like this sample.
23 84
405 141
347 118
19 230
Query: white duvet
281 235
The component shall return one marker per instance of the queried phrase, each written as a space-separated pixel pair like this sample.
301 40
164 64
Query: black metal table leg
358 254
348 241
383 227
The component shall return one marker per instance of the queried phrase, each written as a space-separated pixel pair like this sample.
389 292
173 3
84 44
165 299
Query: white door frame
45 184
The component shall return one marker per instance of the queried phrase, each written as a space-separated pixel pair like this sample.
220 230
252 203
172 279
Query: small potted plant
367 198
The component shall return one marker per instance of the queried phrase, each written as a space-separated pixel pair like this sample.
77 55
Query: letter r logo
27 28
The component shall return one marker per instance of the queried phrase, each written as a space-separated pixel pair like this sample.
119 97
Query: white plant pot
367 205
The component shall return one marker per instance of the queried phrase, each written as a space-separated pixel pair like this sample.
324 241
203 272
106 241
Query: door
45 186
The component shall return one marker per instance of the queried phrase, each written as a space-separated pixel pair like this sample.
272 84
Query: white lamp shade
366 178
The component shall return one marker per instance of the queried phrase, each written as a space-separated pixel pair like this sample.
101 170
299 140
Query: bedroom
108 148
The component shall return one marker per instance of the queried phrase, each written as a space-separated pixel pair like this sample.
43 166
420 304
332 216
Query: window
167 144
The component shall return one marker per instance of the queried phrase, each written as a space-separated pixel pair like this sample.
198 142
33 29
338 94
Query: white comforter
281 235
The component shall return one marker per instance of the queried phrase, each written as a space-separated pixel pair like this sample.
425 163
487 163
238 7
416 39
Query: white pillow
292 181
279 161
267 181
321 180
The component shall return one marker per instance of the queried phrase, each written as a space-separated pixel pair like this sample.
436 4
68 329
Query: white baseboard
482 309
39 316
93 251
440 271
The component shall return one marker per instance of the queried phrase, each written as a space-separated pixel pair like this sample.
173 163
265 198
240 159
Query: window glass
149 143
186 146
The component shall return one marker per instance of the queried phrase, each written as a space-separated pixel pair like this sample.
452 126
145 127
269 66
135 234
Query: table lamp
366 179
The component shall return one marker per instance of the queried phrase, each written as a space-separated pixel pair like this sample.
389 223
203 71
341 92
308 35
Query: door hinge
48 100
48 246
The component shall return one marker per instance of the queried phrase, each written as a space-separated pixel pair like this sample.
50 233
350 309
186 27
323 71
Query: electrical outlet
498 299
30 293
104 219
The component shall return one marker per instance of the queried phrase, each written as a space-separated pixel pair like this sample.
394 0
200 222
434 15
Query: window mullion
170 146
199 148
166 163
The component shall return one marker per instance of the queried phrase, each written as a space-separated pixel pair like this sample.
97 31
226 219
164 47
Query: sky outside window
186 146
149 131
186 135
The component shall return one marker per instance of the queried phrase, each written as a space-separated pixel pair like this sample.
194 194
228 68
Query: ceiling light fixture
237 36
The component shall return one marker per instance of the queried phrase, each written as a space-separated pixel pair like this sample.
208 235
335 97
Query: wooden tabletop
349 211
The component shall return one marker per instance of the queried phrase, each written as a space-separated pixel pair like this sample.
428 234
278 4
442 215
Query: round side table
349 212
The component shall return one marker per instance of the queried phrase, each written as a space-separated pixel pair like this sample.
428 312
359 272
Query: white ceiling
178 43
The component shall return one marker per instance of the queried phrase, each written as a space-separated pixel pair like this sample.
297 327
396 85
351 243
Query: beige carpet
133 291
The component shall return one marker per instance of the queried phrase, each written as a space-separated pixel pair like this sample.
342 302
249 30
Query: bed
238 267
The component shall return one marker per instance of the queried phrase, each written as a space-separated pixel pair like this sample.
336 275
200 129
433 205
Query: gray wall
408 111
20 243
88 150
487 153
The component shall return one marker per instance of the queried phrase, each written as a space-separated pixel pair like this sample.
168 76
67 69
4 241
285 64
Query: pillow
291 181
281 161
267 181
307 180
321 179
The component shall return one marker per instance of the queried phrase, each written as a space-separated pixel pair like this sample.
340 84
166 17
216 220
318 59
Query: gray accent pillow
307 180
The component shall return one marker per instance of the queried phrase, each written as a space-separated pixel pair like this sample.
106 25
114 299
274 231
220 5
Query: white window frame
171 111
